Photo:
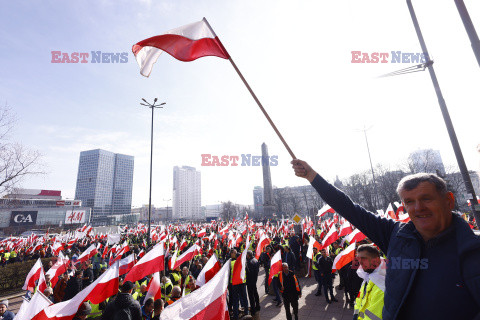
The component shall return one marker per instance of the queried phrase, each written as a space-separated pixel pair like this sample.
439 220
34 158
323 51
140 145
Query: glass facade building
104 182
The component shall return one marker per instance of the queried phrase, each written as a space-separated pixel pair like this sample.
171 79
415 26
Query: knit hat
4 302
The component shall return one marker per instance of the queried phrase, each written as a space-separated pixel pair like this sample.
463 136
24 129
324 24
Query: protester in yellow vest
176 294
369 303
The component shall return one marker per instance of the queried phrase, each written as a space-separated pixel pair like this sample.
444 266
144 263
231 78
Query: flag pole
252 93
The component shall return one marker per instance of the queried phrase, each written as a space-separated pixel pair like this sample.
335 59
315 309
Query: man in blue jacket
433 267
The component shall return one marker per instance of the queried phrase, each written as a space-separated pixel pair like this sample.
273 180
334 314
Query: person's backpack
123 314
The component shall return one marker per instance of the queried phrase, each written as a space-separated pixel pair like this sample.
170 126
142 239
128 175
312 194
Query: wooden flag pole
253 94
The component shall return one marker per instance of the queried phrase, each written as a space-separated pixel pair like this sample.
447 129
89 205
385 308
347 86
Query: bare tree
387 182
16 161
229 211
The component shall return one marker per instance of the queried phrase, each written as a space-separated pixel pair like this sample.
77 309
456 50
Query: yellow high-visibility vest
369 303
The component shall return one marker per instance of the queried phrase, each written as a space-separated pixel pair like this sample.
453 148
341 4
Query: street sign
297 218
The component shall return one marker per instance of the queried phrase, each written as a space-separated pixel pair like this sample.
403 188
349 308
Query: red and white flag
312 243
324 210
152 262
239 272
126 264
29 309
209 302
331 237
87 254
187 256
33 276
202 233
275 266
264 241
186 43
208 272
104 287
57 269
345 229
56 247
355 236
154 288
344 257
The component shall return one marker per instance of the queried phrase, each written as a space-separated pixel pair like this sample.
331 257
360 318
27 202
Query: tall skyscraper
104 182
187 194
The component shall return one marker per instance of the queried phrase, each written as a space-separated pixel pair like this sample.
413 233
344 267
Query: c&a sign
23 218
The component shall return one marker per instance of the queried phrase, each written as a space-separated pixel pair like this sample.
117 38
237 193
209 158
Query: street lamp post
153 107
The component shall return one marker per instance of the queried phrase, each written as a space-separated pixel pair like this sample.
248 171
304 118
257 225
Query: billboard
23 218
75 216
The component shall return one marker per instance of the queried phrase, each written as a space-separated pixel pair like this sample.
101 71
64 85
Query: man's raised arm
375 228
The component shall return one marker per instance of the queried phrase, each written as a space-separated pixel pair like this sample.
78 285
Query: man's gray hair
412 181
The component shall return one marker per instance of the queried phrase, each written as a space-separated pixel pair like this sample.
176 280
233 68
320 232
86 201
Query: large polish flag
29 309
264 241
355 236
154 288
345 229
33 276
344 257
87 254
239 273
152 262
209 302
208 272
312 243
331 237
126 264
104 287
186 43
187 255
275 266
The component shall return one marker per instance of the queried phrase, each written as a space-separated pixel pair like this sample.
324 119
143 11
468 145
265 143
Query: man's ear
450 200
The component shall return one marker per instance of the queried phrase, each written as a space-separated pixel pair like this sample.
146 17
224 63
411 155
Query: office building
186 194
104 182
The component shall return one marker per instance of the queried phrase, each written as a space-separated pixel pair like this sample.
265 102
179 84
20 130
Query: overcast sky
297 57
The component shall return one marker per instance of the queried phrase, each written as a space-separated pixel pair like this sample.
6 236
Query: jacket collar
466 239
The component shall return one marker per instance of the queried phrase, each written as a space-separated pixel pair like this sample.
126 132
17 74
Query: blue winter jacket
401 243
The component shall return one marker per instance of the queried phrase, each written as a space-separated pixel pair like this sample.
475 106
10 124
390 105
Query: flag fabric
152 262
154 288
324 210
355 236
344 257
29 309
345 229
208 271
187 255
126 264
33 276
331 237
87 254
104 287
312 243
275 266
202 233
186 43
264 241
239 273
209 302
57 269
